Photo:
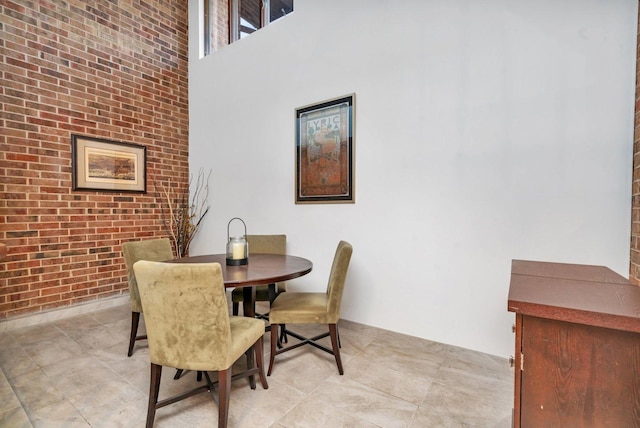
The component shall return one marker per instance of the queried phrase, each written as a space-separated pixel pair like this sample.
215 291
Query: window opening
226 21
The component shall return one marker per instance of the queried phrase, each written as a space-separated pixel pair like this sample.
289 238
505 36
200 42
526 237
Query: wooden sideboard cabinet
577 353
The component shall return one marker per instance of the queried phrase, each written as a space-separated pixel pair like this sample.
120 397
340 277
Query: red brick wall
220 24
111 69
634 268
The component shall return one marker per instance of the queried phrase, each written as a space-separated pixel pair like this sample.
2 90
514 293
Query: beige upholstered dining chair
313 308
156 250
267 244
189 328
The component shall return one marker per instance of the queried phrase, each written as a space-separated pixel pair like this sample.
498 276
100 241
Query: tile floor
75 372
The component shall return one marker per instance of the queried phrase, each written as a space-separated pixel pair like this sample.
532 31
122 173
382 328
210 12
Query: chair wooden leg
235 308
224 391
273 293
154 388
259 347
333 332
313 341
135 320
180 372
274 340
250 365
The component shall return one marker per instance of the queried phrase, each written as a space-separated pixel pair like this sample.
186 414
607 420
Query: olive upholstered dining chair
156 250
267 244
189 328
313 308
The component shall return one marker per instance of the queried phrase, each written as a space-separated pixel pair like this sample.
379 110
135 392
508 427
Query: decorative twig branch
181 215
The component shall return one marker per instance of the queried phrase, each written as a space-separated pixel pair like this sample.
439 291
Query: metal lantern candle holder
237 247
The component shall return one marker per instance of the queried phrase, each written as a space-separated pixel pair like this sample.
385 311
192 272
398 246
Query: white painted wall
485 131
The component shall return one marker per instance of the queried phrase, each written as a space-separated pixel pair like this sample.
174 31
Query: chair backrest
186 314
337 277
156 250
269 244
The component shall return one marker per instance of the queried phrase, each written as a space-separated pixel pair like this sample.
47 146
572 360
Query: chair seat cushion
262 293
301 308
244 333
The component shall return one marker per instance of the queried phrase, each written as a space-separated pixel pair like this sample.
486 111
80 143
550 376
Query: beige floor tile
15 418
98 337
82 322
353 340
477 362
113 403
303 368
364 402
15 362
75 372
392 379
35 334
58 415
464 403
121 314
8 400
35 390
313 413
199 411
54 350
411 362
78 375
262 407
426 418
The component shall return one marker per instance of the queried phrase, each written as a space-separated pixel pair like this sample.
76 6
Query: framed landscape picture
99 164
325 151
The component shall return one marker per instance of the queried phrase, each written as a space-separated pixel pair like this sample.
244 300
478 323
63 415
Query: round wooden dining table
260 270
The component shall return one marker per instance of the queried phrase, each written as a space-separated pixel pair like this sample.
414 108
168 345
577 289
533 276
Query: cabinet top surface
567 271
575 293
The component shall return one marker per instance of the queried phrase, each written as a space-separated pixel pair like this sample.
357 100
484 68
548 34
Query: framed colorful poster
325 152
99 164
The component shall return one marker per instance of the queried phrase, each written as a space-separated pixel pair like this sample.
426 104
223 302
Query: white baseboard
61 313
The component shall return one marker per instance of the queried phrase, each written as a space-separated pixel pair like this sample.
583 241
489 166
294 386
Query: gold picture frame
325 150
99 164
